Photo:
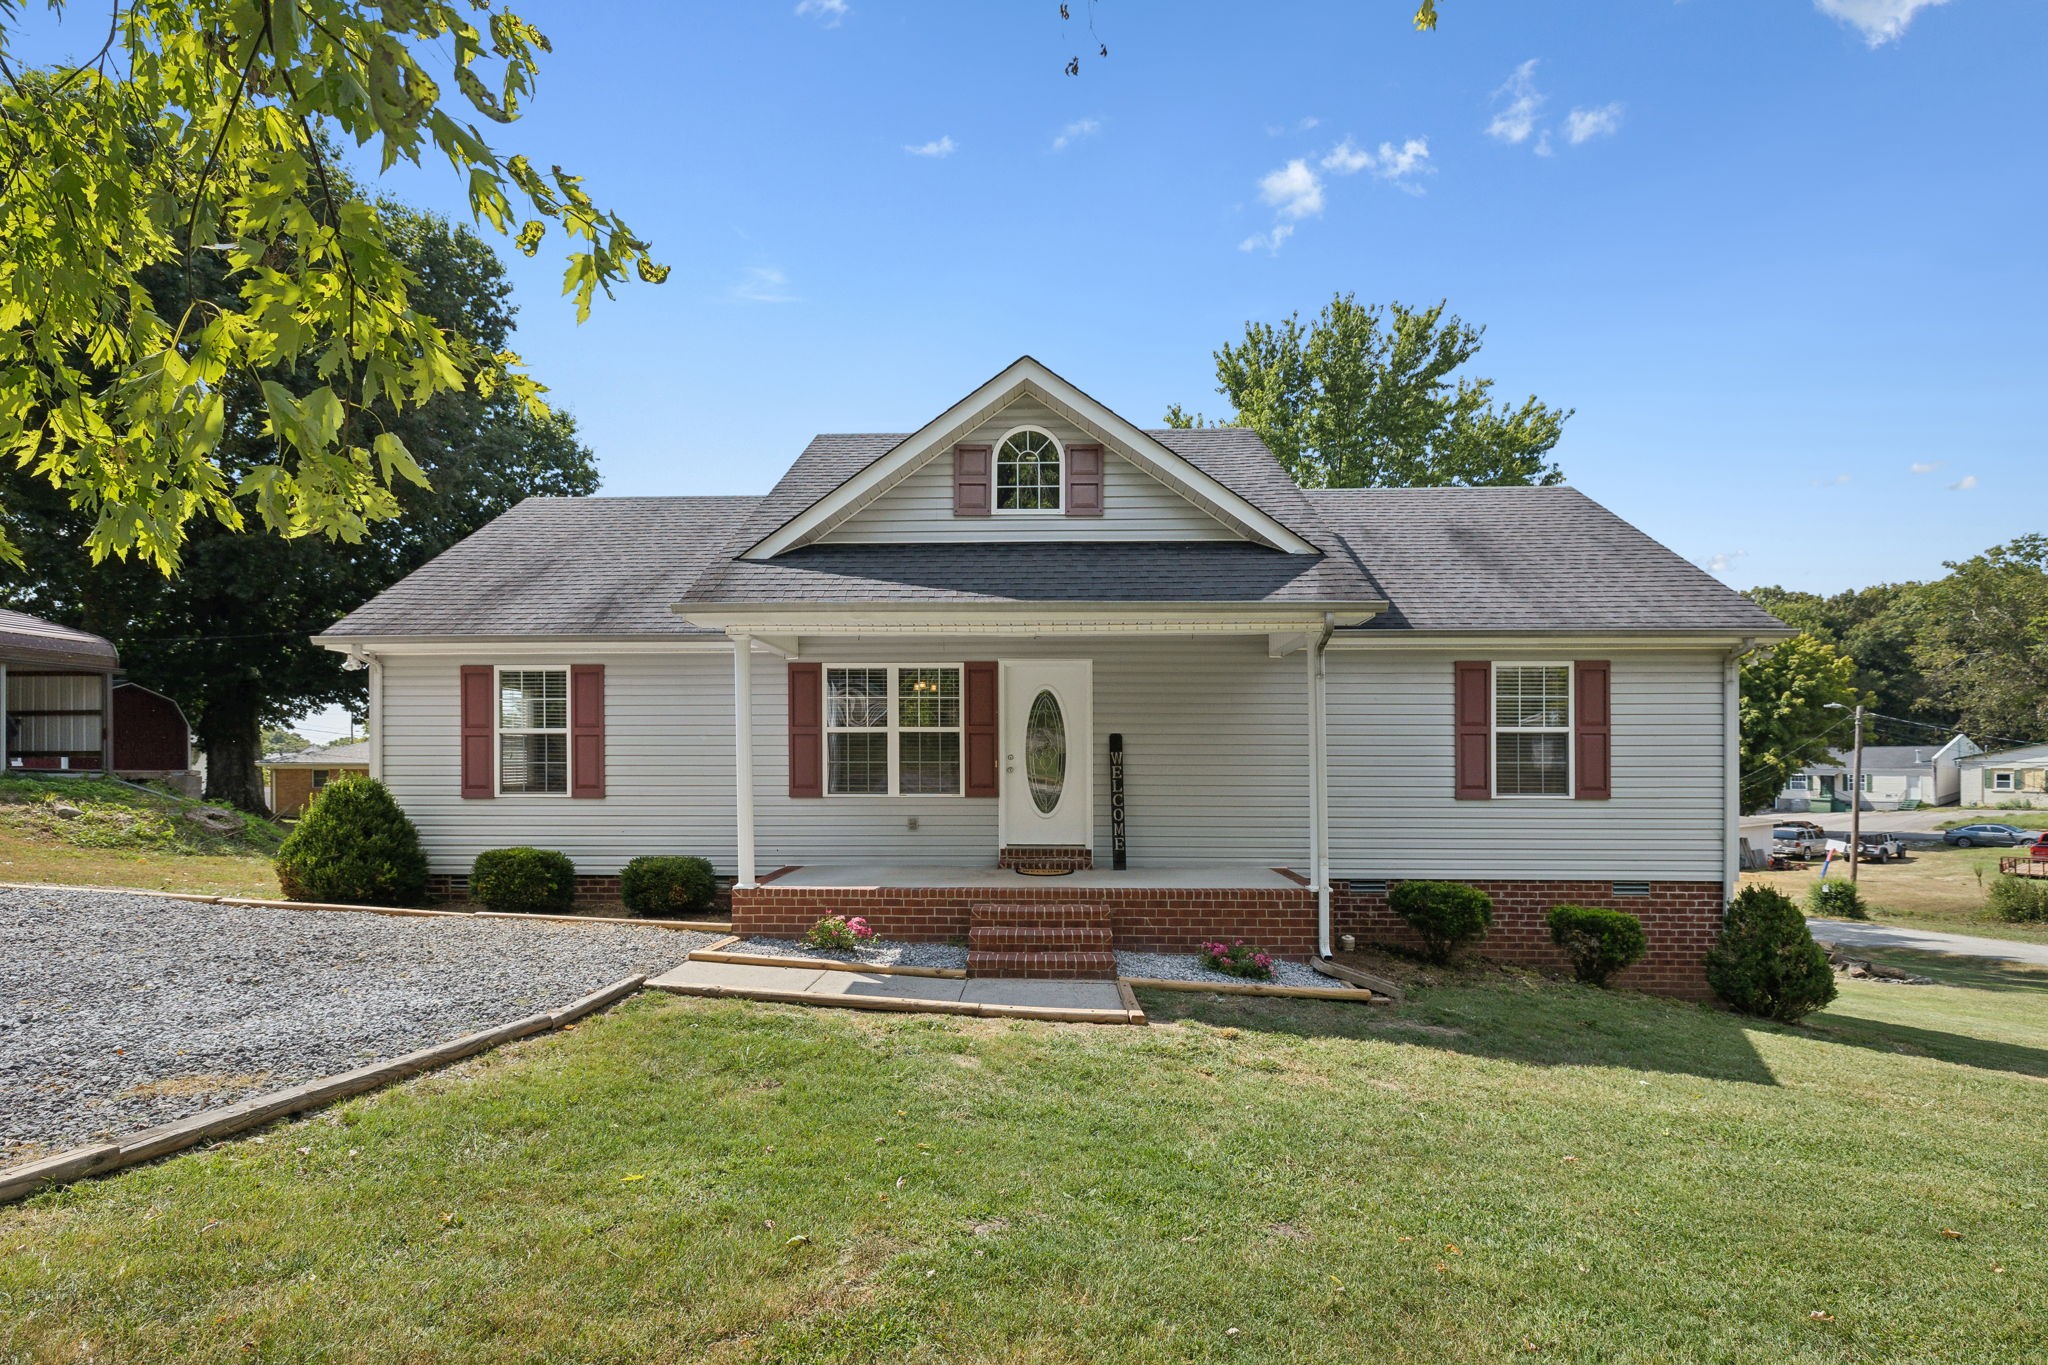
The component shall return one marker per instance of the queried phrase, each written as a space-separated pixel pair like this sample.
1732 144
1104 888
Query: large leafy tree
1363 397
197 132
1982 640
1787 723
1877 627
227 636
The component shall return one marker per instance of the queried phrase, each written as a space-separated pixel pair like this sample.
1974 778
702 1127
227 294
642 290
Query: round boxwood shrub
1832 899
1599 941
1766 962
353 846
661 885
533 881
1446 915
2019 900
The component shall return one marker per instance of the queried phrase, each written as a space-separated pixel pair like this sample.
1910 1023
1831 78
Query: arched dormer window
1028 474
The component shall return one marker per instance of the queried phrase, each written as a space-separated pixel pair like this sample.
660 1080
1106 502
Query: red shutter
806 729
1592 732
979 715
1472 688
1084 481
586 730
479 766
973 480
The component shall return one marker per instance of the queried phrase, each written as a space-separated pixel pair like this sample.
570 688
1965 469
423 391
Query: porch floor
1206 876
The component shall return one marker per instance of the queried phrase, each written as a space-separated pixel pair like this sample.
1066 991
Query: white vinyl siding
1135 506
668 762
1392 809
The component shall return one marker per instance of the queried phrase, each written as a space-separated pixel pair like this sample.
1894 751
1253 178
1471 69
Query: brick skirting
1146 919
1680 919
1064 859
592 892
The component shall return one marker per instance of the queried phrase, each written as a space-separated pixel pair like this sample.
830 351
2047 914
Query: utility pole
1856 797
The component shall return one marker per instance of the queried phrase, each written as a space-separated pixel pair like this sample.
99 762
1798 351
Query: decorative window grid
533 731
1028 472
1532 729
893 730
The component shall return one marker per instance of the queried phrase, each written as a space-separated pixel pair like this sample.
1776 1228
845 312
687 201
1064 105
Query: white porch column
743 752
1319 790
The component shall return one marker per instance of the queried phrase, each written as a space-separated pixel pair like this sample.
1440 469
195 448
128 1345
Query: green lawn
1500 1166
2020 819
122 836
1936 888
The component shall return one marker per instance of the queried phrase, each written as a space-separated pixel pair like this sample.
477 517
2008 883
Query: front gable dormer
1029 457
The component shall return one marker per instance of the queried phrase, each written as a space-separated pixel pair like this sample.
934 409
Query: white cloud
829 11
1267 241
763 284
1880 21
937 147
1294 190
1514 121
1581 125
1391 162
1721 563
1926 466
1345 159
1309 123
1075 131
1964 484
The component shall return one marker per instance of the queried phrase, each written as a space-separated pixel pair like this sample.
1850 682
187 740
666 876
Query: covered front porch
1187 876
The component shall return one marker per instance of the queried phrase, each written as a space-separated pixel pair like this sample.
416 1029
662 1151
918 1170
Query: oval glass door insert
1045 751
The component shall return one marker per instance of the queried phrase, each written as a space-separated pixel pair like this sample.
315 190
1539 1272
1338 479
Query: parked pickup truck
1798 839
1880 848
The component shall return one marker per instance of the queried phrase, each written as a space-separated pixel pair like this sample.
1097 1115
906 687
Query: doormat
1044 871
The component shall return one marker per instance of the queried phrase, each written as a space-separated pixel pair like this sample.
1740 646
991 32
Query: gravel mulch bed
1188 967
119 1011
870 955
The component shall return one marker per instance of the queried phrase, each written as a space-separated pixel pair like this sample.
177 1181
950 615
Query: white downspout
743 752
1731 734
1319 777
376 713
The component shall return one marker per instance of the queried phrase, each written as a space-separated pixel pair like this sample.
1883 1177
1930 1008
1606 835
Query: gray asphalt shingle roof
1525 559
33 641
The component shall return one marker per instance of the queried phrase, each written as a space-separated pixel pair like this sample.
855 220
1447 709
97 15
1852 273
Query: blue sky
1779 256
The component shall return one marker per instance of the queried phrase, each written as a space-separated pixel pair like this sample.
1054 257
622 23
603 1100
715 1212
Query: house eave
1055 617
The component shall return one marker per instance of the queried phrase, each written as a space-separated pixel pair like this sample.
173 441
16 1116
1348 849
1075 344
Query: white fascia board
1569 640
1136 618
1028 376
369 645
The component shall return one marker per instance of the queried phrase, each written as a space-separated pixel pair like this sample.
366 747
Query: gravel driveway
120 1011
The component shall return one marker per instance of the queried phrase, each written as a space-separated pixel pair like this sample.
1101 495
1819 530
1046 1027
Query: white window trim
894 730
995 477
1571 717
1799 782
2004 782
498 672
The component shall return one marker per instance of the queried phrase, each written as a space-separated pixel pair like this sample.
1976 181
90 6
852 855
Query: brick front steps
1060 941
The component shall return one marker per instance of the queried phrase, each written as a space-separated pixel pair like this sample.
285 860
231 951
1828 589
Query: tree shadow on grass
1976 973
1906 1040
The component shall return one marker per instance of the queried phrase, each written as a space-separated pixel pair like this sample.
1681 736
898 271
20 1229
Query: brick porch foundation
1680 919
593 892
1145 919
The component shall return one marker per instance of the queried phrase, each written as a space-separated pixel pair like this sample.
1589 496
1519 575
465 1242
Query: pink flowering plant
1238 959
837 931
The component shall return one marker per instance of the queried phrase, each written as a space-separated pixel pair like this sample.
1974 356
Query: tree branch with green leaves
196 132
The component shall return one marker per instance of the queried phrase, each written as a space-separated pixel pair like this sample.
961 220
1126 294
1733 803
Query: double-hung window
2002 782
892 731
533 730
1532 730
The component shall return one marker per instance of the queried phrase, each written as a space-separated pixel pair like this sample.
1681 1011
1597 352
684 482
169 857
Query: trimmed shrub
353 846
1447 915
1832 899
839 932
657 885
1766 962
527 881
1238 959
1599 942
2019 900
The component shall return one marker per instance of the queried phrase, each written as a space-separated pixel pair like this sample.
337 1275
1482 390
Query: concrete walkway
1858 934
1088 1002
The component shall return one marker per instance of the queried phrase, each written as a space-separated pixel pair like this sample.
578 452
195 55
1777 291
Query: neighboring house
2011 777
1895 776
1030 635
67 711
290 781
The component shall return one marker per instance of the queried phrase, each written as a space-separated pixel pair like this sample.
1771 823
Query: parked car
1798 839
1880 848
2039 852
1999 836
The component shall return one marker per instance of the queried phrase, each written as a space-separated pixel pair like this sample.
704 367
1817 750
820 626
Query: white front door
1048 719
